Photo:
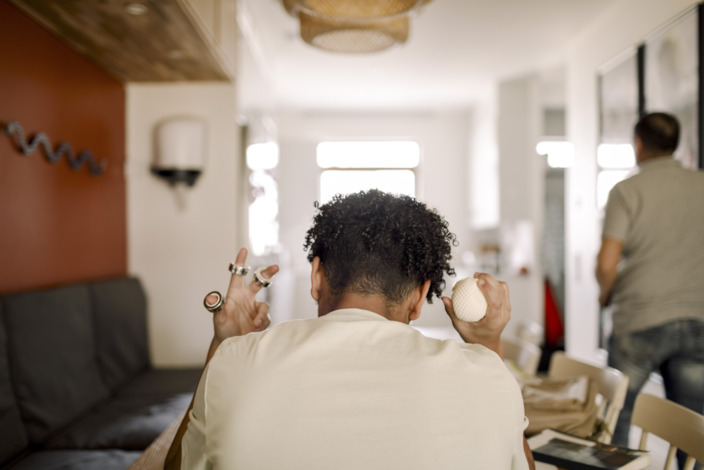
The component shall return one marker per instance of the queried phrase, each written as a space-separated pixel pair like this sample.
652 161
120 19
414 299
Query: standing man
357 387
651 269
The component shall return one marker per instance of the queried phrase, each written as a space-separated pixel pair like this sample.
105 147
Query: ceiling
456 53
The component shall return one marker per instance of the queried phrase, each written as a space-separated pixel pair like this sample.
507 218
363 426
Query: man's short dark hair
374 243
659 132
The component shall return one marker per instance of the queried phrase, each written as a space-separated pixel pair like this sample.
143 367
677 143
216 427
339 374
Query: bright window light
359 166
559 154
400 154
263 213
345 182
264 156
606 180
615 156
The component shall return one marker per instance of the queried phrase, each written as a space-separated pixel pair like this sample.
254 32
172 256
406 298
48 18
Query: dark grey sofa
76 387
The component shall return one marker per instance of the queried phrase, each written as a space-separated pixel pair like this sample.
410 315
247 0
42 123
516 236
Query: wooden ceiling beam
167 42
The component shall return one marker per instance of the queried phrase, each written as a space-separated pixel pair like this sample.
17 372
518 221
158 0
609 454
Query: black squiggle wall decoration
63 148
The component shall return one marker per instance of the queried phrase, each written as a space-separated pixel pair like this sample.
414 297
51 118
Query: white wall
521 194
483 167
441 182
623 26
181 254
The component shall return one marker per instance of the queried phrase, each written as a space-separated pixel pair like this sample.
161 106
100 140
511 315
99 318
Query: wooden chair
530 331
523 354
681 427
611 383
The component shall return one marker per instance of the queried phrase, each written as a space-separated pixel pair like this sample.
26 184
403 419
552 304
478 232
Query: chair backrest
530 331
680 426
611 383
525 355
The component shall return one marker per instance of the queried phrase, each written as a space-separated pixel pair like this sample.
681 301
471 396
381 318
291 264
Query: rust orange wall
58 225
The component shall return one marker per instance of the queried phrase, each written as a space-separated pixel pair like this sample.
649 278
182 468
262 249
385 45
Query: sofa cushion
77 460
14 438
120 312
162 382
129 422
136 415
52 356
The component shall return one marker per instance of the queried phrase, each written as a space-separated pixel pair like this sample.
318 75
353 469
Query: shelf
166 42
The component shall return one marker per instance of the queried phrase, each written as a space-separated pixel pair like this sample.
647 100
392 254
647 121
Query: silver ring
238 270
259 279
218 305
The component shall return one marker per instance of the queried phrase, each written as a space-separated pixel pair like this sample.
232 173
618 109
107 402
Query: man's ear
316 278
419 295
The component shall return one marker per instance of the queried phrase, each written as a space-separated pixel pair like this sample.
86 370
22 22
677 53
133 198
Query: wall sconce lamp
179 150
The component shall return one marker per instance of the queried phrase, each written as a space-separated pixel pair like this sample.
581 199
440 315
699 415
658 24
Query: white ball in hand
469 302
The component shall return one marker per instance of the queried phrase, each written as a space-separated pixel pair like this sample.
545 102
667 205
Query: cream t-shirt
353 390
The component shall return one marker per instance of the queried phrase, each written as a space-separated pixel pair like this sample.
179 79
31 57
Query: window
262 160
616 162
350 167
560 154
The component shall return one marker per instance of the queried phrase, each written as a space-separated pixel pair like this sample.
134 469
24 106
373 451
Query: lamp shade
353 36
360 9
354 26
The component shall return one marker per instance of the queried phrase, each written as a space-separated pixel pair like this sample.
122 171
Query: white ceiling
456 53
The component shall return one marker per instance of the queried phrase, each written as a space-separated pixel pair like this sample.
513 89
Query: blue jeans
674 349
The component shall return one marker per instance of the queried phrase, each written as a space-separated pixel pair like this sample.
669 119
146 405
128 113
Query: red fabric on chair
554 330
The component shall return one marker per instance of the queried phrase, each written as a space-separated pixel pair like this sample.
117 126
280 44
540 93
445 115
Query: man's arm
173 456
607 262
240 315
487 331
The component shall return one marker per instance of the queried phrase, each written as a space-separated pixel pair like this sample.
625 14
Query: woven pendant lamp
361 9
353 36
353 26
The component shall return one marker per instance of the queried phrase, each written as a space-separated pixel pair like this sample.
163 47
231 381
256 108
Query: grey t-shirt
658 214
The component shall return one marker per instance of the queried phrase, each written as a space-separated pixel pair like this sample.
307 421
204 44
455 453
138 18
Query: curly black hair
373 242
